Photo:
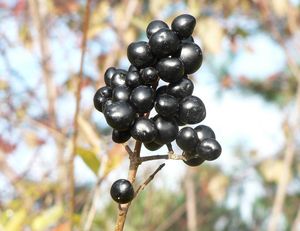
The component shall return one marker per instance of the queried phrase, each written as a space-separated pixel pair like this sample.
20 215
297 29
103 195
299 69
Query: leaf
17 220
272 170
47 218
217 187
90 159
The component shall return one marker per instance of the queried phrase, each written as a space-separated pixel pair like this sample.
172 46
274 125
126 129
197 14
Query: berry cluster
170 55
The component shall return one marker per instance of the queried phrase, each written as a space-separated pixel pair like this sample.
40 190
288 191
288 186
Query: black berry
139 54
191 56
120 136
142 97
191 110
181 88
209 149
204 132
121 94
120 115
184 25
167 130
155 26
166 105
149 75
164 43
144 130
187 139
122 191
170 69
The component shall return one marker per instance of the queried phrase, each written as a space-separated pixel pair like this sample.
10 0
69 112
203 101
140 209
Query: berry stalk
133 167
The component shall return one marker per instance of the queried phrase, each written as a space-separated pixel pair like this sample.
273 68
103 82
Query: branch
191 201
133 167
76 115
149 179
169 156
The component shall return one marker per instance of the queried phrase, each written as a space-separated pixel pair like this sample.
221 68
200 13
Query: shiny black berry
142 97
132 68
161 90
120 136
181 88
194 160
204 132
149 75
108 75
167 130
155 26
133 79
118 78
101 96
144 130
139 54
164 43
121 94
166 105
189 39
120 115
191 56
191 110
152 146
184 25
122 191
170 69
209 149
187 139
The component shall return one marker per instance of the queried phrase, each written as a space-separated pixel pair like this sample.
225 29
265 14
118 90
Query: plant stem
133 167
76 115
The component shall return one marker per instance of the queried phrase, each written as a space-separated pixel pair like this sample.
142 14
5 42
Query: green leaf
90 159
47 218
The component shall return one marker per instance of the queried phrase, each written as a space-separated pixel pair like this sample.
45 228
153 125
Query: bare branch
76 115
149 179
169 156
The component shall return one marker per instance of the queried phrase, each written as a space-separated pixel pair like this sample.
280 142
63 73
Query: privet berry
129 96
122 191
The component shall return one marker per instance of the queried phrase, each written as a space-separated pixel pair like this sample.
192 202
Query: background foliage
251 50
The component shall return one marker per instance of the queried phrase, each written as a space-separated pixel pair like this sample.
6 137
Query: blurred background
249 82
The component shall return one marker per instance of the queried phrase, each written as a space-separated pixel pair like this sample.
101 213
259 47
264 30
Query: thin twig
149 179
169 156
76 115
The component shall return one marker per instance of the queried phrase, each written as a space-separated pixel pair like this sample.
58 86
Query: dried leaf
90 158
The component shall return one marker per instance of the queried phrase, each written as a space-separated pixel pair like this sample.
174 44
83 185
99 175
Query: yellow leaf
90 159
217 187
272 170
47 218
16 222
